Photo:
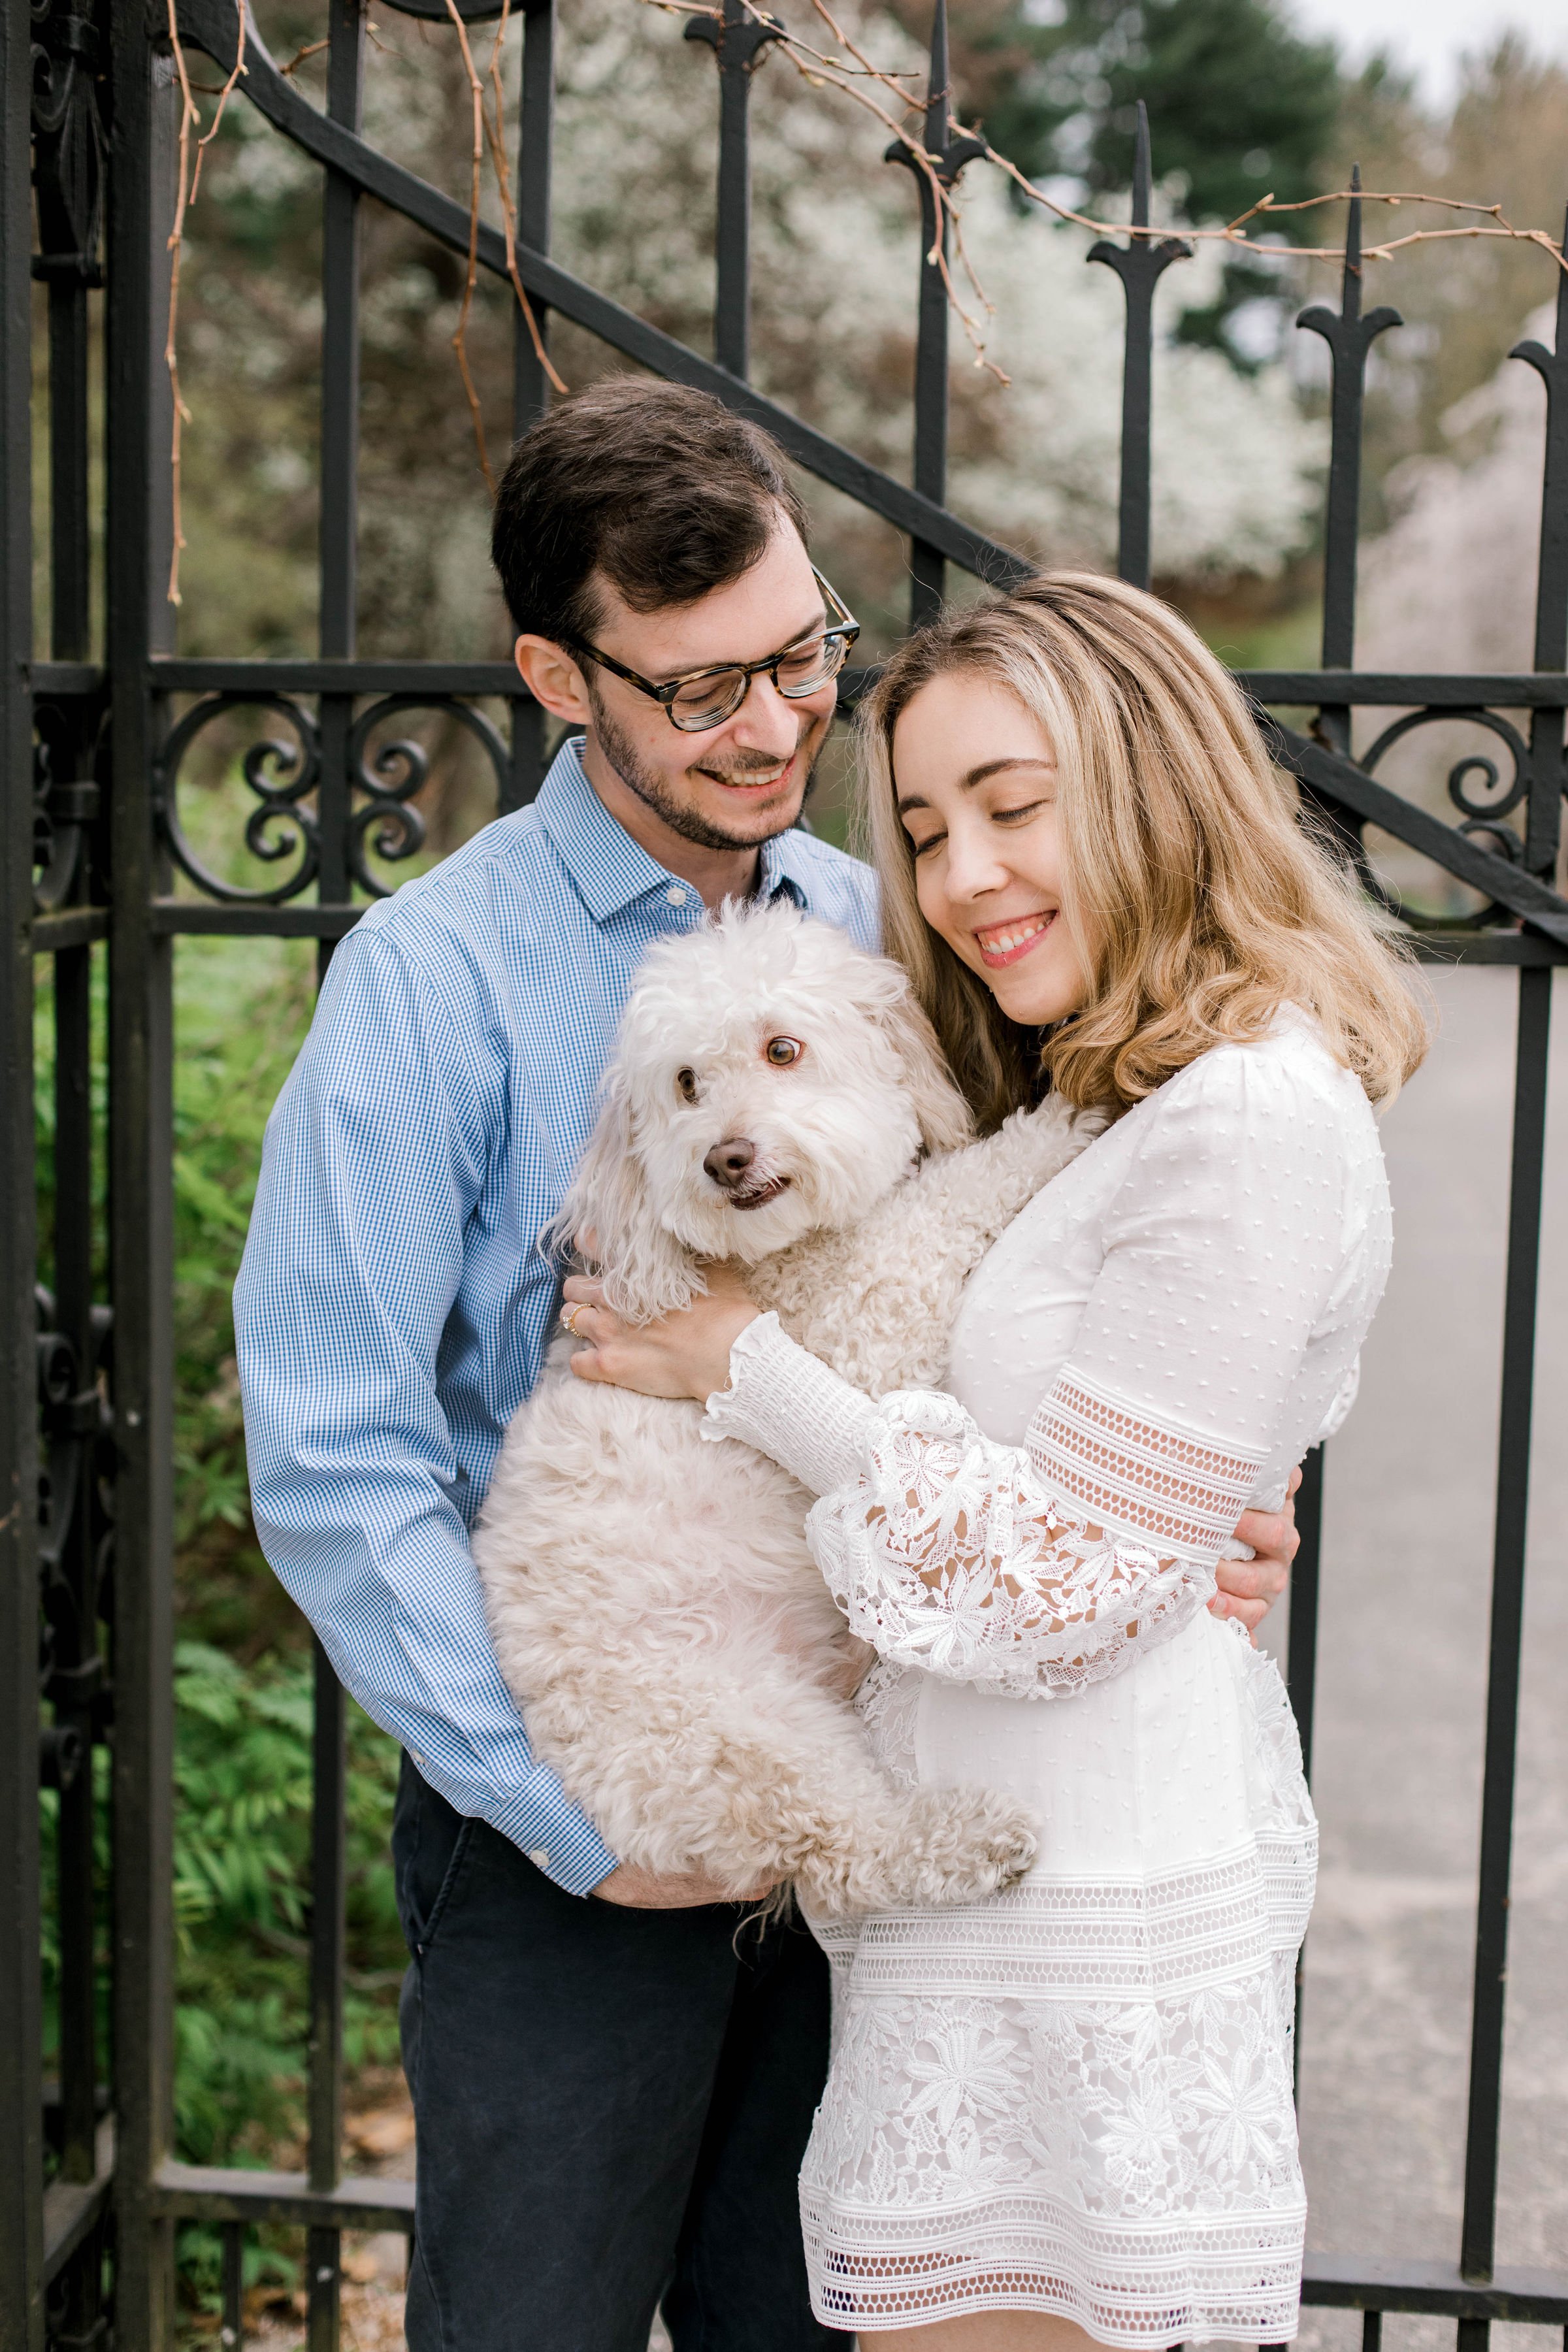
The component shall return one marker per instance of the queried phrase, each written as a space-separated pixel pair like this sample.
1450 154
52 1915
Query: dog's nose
728 1161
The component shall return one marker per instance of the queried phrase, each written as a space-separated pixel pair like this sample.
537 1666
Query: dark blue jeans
612 2107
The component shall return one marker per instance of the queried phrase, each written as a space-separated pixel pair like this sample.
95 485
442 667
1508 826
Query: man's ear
553 679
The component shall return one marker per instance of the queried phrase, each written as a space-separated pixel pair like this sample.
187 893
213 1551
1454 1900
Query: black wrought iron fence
92 762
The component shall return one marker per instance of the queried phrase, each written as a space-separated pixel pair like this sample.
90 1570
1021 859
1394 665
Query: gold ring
568 1313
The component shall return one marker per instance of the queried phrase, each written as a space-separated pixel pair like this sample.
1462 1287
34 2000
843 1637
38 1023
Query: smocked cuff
791 1406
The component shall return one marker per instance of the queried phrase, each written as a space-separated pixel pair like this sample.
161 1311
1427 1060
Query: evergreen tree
1239 104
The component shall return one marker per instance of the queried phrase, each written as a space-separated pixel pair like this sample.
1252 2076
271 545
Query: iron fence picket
1479 2228
138 621
535 163
232 2332
531 385
1139 264
62 2236
21 2245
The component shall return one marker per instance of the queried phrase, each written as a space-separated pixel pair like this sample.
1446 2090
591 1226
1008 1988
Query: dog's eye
782 1051
686 1080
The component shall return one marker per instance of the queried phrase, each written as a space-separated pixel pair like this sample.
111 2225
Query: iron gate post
141 1181
21 2022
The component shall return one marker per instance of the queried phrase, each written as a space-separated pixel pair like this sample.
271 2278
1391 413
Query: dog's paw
945 1846
979 1844
996 1852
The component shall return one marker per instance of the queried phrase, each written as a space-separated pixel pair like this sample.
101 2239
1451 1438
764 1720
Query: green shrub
241 1900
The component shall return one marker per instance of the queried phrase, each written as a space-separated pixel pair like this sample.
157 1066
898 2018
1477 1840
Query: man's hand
640 1890
1249 1588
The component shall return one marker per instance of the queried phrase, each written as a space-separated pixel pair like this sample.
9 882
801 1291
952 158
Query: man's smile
752 781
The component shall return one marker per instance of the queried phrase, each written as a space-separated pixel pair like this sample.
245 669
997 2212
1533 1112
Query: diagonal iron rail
214 26
1339 779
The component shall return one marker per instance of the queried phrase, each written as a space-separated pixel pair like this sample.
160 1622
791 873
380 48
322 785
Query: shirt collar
609 870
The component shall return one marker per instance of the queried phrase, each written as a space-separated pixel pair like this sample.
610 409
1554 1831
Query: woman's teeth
1007 939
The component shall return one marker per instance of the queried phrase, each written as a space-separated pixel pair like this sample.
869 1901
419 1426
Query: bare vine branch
508 207
225 94
460 340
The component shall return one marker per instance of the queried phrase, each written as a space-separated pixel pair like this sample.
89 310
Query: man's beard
655 794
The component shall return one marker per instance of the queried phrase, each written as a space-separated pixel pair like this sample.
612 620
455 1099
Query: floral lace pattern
968 1560
1130 2164
887 1703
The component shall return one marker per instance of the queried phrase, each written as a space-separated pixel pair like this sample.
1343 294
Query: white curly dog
775 1097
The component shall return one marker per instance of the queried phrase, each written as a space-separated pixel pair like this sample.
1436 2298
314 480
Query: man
611 2095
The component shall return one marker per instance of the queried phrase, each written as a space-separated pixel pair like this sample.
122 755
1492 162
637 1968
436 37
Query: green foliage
1240 105
242 1686
241 1889
241 1010
244 1665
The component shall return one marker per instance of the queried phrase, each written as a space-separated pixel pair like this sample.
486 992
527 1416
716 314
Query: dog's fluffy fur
654 1606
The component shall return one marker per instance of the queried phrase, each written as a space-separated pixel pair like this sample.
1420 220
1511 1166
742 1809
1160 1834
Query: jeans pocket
430 1846
426 1935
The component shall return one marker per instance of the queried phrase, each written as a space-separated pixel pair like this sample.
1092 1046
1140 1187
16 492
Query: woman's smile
1009 943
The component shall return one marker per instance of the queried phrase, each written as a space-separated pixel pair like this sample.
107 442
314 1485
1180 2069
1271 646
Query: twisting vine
489 130
189 181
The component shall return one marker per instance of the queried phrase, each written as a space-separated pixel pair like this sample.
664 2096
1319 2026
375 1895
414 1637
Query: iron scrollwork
63 811
69 141
281 774
1483 817
76 1534
393 774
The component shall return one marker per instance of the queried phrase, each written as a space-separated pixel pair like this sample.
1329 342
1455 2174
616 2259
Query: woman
1067 2112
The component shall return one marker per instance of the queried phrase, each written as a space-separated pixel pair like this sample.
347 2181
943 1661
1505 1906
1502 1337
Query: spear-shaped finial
1142 169
1551 578
938 104
945 155
1349 283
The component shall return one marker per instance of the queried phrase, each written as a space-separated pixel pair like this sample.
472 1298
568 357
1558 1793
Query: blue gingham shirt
393 1309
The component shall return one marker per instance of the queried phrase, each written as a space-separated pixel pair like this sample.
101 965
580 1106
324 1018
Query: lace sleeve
1034 1569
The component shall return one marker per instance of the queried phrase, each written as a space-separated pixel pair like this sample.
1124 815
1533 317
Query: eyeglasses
702 698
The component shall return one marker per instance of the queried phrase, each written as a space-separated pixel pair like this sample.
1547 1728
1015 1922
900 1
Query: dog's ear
944 1115
646 1272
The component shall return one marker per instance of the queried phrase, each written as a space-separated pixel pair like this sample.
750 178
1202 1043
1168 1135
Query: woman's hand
1249 1588
686 1355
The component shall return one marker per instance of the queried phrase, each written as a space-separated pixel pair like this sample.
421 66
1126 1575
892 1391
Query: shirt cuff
539 1821
790 1405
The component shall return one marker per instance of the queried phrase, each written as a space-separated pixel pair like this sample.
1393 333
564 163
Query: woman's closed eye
1014 819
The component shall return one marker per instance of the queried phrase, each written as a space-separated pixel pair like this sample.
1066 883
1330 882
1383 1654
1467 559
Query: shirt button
676 895
540 1858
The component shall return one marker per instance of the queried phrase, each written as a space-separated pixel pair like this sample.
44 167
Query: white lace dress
1076 2097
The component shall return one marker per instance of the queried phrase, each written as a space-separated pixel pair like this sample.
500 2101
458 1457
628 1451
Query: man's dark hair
658 488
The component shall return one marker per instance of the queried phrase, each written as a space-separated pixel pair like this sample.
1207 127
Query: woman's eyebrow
979 776
989 767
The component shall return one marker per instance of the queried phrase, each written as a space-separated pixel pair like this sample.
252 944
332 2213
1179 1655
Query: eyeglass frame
844 627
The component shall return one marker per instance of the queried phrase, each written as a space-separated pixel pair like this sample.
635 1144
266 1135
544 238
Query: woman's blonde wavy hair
1205 897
